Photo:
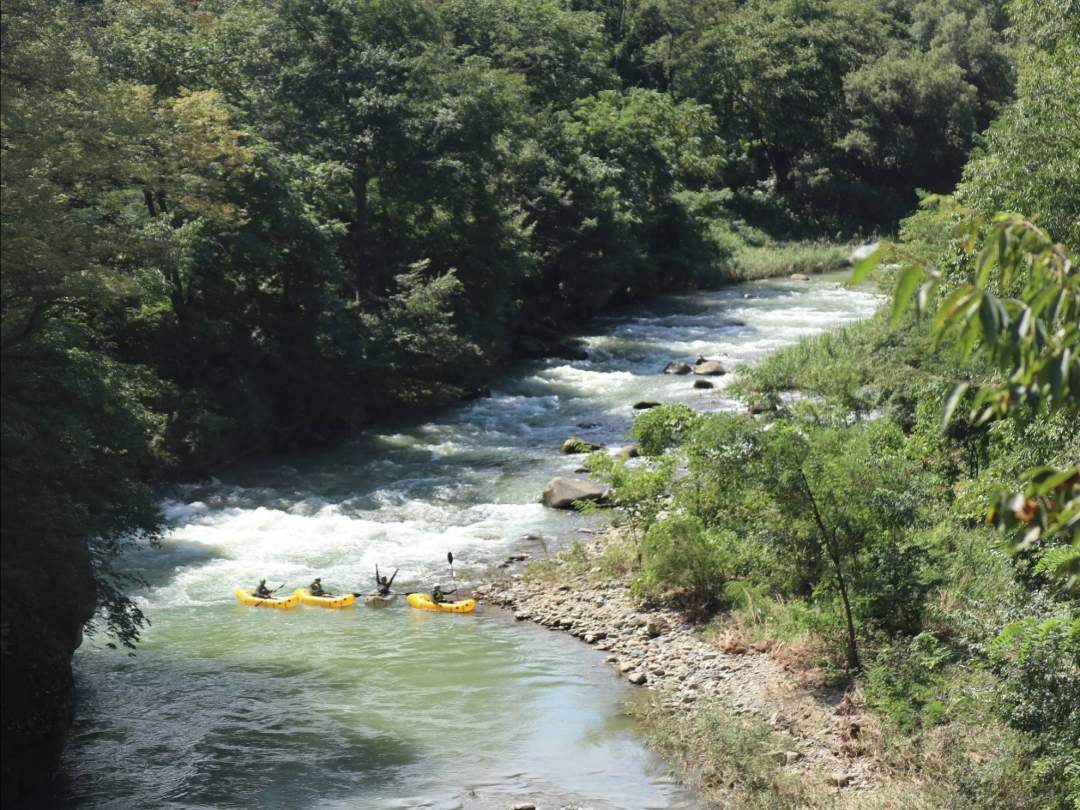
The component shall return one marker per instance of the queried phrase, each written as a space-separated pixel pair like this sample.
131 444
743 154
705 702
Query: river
226 706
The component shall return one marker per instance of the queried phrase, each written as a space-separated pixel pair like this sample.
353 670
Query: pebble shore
659 649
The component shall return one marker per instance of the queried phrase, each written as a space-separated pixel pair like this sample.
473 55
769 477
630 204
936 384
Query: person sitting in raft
317 589
261 591
438 595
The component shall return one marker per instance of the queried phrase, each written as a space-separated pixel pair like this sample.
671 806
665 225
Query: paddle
266 598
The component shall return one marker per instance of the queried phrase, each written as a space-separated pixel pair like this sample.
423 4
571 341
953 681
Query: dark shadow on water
206 734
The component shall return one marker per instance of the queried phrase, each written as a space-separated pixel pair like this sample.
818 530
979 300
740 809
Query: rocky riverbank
689 668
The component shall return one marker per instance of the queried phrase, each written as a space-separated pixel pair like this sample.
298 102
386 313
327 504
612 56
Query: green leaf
1059 369
988 318
951 403
909 279
863 267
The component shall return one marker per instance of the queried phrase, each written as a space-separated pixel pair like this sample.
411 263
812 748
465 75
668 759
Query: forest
232 227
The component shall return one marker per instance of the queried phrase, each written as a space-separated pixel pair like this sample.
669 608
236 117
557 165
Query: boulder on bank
675 367
561 493
645 405
574 446
629 451
758 405
799 277
709 368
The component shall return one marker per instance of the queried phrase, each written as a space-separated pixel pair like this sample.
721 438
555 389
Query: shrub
680 553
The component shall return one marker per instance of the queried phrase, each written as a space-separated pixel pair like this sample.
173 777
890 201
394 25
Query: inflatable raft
374 600
339 601
423 601
246 597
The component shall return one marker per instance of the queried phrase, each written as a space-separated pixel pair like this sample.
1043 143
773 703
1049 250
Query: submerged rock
561 493
675 367
702 384
645 405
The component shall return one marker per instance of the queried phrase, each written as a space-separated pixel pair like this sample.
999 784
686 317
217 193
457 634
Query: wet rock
561 493
645 405
523 806
702 384
799 277
709 368
568 350
627 666
638 678
574 446
675 367
629 451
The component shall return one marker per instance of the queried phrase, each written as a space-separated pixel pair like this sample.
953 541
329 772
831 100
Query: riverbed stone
656 627
645 405
709 368
702 384
562 493
676 367
638 678
799 277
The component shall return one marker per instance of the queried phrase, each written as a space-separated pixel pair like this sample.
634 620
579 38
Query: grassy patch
783 258
733 761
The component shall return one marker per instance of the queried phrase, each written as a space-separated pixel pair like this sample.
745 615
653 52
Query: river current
226 706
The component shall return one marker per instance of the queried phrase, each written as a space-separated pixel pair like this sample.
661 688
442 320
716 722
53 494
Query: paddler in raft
261 591
382 584
438 595
316 588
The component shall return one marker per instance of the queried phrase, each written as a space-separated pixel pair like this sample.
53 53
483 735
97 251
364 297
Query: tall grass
783 258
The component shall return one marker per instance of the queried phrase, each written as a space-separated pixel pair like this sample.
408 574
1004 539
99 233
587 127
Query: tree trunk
831 545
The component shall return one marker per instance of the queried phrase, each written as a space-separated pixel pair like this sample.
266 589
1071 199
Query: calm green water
227 706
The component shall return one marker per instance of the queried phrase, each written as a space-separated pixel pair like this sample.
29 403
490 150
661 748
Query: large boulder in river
568 350
675 367
709 368
574 446
561 493
702 384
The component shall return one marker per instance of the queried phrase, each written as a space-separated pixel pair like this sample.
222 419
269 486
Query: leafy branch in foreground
1020 308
